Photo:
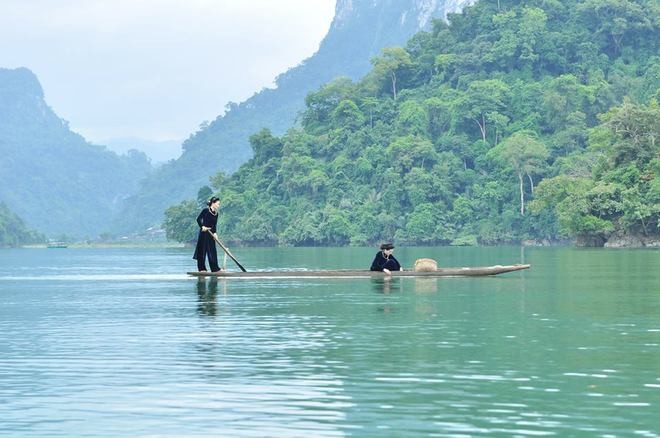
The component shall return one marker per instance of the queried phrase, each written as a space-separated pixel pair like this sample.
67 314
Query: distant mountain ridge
359 30
52 177
160 151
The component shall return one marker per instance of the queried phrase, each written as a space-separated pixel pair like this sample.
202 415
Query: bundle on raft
425 265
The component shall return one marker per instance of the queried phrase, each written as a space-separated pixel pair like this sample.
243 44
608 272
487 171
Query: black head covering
385 246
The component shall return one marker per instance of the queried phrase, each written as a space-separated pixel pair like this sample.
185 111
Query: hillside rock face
359 30
50 176
621 240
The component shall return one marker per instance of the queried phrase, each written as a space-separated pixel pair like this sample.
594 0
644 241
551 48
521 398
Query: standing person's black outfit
205 243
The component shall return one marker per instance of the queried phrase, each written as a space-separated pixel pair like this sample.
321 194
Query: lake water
119 342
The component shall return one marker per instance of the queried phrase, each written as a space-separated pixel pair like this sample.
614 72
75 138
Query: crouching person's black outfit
385 260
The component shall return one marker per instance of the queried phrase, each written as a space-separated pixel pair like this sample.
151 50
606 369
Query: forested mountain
447 140
359 30
13 231
50 176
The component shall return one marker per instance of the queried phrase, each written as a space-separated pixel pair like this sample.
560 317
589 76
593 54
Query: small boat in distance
57 245
350 273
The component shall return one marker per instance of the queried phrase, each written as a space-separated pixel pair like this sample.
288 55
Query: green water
121 343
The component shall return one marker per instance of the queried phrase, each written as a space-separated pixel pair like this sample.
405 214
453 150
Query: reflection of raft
347 273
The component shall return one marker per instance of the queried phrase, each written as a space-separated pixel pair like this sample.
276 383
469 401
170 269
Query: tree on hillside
484 103
265 146
389 63
635 133
413 118
525 155
518 37
321 103
347 115
204 195
613 19
569 197
180 223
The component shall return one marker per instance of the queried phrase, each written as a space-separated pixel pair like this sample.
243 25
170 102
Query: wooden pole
224 248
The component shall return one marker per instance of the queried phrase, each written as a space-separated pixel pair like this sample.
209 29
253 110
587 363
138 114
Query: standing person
385 261
207 221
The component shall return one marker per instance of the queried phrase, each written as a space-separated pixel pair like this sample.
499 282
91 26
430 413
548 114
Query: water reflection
388 285
426 285
385 285
207 292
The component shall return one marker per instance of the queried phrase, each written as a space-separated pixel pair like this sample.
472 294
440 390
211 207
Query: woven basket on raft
426 265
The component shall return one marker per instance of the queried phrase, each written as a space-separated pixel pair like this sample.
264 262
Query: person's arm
400 268
200 221
378 263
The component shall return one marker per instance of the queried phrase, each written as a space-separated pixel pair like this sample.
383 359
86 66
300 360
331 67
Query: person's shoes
203 270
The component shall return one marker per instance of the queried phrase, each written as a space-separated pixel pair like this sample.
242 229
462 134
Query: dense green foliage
13 231
622 192
50 176
445 141
358 32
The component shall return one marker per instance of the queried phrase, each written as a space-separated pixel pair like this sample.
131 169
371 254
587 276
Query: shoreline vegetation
515 122
621 242
82 245
13 230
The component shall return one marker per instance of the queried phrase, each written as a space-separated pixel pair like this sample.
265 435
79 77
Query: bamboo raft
351 273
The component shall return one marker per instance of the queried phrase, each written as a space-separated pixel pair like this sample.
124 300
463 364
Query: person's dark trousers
212 255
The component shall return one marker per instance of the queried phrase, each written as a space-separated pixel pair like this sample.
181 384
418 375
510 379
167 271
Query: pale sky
155 69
